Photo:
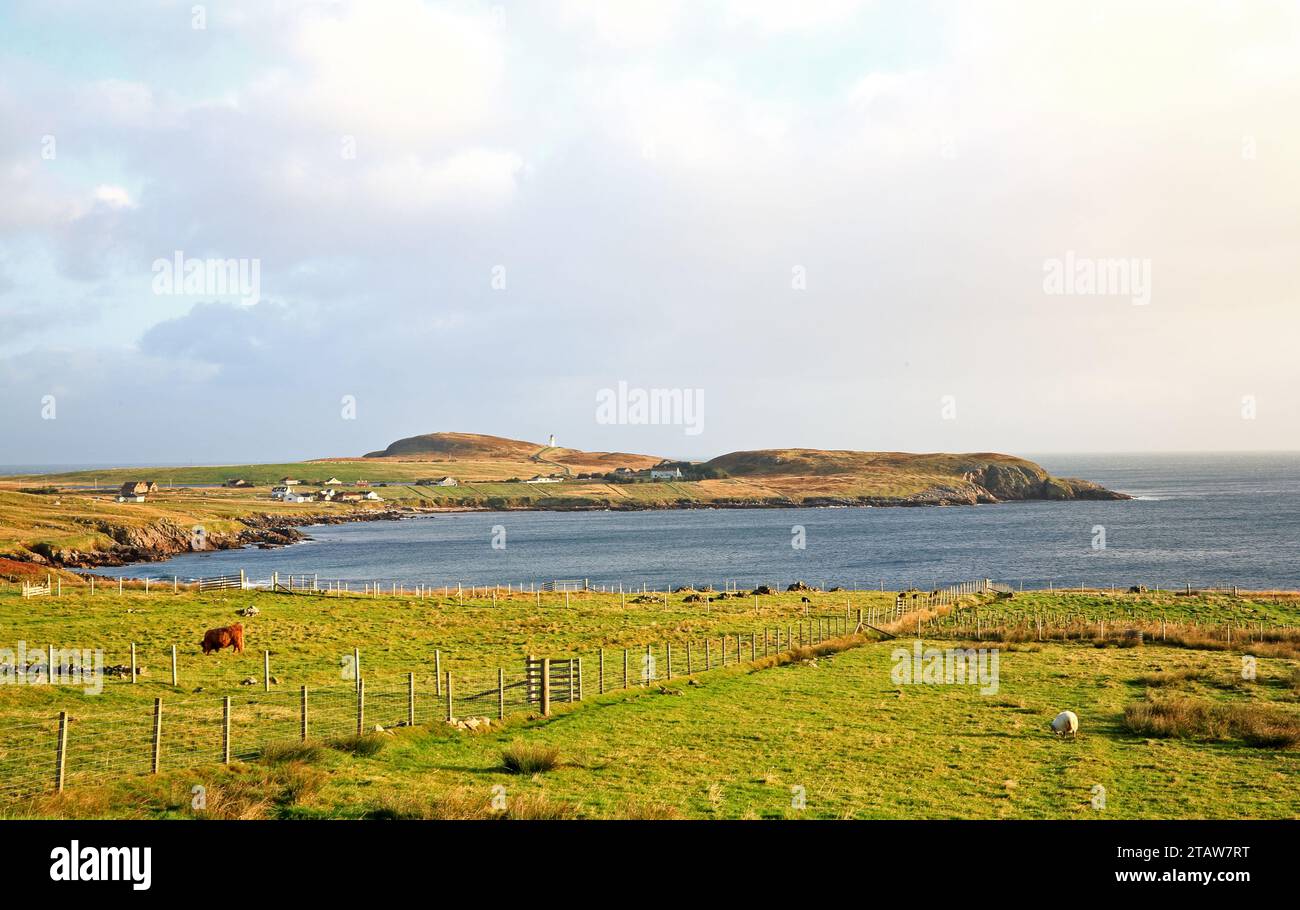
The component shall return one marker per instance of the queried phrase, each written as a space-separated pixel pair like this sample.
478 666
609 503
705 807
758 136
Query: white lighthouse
552 442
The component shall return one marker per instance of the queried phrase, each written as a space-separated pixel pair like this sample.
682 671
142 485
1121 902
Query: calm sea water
1203 519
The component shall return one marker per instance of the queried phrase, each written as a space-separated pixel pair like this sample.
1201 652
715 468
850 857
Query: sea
1196 519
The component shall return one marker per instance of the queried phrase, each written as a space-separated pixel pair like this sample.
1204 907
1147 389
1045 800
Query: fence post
437 672
600 689
361 705
356 665
501 693
668 658
625 668
266 671
570 680
132 662
410 699
546 683
225 730
708 654
303 713
157 732
174 677
579 679
448 688
61 751
688 657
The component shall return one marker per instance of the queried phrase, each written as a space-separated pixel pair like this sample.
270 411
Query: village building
237 482
541 478
333 482
289 481
665 473
138 488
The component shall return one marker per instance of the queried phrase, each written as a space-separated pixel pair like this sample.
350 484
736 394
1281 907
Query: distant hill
477 447
978 477
469 446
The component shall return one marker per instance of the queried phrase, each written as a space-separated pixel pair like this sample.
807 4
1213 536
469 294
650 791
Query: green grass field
732 743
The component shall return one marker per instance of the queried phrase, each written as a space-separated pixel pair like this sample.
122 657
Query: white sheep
1067 722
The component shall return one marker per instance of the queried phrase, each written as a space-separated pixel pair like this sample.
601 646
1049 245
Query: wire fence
81 749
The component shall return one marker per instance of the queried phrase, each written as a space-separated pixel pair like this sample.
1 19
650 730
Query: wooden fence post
450 716
579 679
61 751
625 668
133 662
266 671
708 654
600 689
437 672
501 693
225 730
546 682
174 677
356 665
303 714
157 733
688 657
361 705
410 699
668 659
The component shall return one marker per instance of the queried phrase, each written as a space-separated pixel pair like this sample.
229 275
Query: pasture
825 736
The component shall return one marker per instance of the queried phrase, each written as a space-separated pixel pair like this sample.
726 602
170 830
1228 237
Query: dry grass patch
1189 718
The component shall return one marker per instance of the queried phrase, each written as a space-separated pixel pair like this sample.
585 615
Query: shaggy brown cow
228 637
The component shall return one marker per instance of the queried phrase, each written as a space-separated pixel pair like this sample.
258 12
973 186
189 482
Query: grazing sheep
1066 723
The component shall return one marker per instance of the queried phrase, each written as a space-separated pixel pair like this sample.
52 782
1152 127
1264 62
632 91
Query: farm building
665 473
357 496
289 482
138 488
542 478
237 482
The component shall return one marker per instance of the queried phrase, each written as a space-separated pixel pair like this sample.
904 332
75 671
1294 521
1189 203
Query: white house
540 478
665 473
446 482
296 496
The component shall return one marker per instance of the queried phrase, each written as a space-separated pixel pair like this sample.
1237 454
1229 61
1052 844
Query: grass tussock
530 758
361 745
463 804
1188 718
291 751
650 812
1162 678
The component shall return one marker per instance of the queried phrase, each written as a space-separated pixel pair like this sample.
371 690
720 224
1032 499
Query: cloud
649 177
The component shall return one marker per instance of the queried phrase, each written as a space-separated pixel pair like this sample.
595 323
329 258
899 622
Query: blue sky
649 178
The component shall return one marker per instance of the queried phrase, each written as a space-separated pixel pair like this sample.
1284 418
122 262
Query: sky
918 226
